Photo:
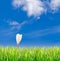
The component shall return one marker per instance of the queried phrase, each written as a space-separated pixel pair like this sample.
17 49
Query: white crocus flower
18 38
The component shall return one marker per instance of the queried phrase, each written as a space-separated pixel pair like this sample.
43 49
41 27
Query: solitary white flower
18 38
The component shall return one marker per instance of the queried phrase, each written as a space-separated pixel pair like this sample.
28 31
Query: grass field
31 54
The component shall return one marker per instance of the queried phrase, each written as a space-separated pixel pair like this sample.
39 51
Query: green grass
31 54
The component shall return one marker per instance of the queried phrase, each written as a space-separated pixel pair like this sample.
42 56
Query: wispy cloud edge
16 25
44 32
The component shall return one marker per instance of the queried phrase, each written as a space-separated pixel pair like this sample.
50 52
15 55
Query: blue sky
37 20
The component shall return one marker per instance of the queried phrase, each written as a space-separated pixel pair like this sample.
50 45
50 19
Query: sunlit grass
31 54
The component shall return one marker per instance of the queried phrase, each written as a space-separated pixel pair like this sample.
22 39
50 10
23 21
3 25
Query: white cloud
32 7
37 7
17 3
55 5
